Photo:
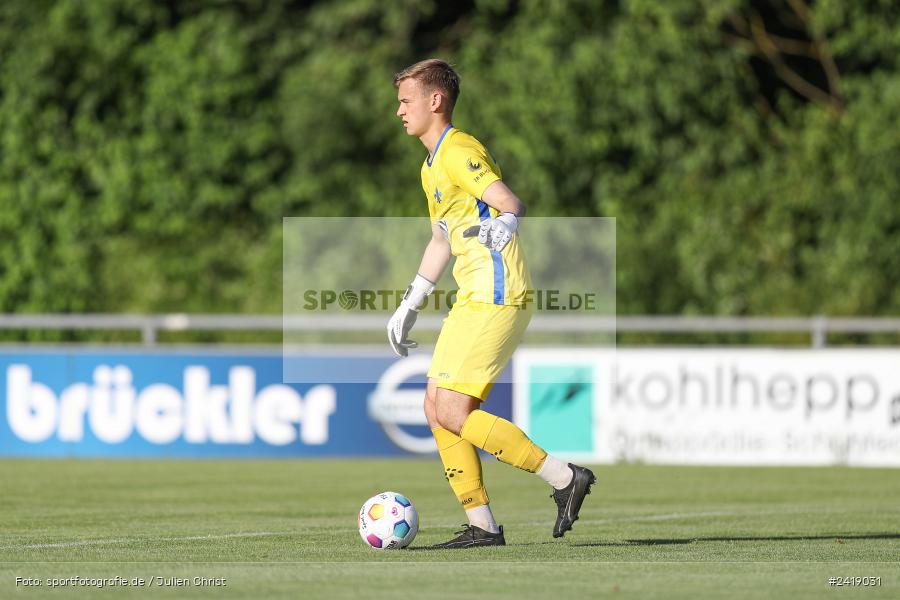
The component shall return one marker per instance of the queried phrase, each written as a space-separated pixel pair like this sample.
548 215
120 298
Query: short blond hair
433 74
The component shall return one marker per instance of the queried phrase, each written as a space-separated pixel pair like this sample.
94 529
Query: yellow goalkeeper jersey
454 179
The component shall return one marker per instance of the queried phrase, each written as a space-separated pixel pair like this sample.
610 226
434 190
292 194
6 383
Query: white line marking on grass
438 563
662 517
188 538
665 517
224 536
695 515
70 544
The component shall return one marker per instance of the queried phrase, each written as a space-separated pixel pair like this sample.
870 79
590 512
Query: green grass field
288 529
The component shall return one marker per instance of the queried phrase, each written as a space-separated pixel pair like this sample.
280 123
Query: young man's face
415 107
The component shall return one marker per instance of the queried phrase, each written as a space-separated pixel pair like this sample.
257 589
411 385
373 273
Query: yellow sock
502 439
462 468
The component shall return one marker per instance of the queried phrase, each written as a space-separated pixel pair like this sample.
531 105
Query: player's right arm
436 256
434 261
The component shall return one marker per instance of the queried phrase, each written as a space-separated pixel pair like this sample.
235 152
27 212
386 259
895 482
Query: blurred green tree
148 151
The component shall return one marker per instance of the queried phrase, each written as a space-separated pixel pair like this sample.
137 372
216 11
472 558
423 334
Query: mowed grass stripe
287 526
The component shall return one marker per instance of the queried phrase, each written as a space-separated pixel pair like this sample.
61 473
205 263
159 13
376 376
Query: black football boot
471 537
569 499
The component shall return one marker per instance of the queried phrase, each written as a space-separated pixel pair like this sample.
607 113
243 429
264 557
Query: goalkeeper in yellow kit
466 195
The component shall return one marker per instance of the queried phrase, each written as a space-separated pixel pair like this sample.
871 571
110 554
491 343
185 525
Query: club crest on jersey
472 166
437 195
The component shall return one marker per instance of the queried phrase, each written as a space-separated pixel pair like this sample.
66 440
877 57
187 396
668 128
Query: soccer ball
388 521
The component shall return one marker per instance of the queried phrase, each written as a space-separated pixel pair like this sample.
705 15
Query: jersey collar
440 139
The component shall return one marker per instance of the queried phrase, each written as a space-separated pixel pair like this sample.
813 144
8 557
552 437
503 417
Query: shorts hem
479 391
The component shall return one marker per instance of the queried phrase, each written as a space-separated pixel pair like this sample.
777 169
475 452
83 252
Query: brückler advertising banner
208 403
717 406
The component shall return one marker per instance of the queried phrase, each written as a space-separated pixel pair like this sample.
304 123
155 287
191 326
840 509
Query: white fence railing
818 327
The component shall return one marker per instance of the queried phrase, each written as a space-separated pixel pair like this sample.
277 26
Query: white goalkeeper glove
404 318
496 233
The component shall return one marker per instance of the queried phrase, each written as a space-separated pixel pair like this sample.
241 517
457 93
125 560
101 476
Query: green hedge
750 151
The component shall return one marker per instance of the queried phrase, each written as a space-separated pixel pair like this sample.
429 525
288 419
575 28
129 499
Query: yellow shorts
476 342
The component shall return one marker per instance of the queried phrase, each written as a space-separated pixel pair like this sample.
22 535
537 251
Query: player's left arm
497 232
499 196
469 168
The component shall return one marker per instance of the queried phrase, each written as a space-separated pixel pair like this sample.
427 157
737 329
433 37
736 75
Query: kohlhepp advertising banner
713 406
139 403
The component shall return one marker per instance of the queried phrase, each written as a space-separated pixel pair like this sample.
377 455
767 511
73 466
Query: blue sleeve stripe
484 213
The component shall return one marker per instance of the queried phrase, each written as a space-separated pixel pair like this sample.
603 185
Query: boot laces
560 496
